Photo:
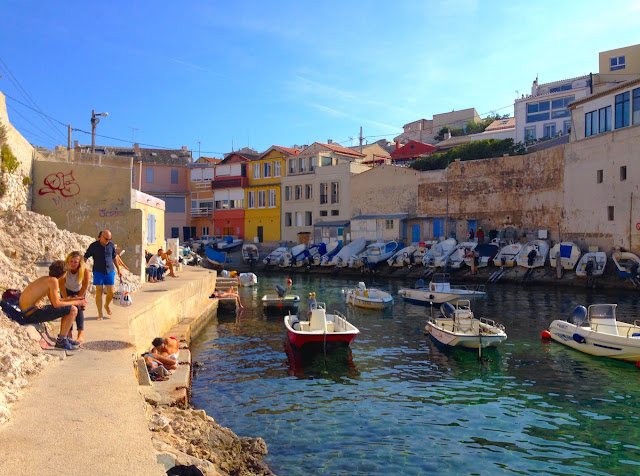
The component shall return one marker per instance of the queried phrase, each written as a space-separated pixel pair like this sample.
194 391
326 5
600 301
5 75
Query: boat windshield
374 250
602 311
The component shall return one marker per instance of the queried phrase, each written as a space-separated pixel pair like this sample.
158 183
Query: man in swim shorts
60 308
103 252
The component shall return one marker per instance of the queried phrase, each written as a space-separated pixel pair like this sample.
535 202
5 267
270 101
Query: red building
228 195
410 152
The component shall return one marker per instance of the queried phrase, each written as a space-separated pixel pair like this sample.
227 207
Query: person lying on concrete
229 294
60 308
160 354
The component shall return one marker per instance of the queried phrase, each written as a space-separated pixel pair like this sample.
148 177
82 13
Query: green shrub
10 162
27 181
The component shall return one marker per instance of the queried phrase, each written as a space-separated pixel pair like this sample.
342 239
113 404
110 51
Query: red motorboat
321 328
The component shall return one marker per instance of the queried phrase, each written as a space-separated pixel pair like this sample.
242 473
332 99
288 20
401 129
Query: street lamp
94 122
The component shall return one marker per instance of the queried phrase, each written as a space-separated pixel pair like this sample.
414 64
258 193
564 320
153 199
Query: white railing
201 212
202 185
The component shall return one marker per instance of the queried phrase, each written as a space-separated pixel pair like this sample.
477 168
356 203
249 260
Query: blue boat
216 257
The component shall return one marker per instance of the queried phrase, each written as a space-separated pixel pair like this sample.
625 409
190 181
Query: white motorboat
627 263
280 302
228 243
484 253
438 253
250 253
357 261
462 251
568 252
331 250
368 298
244 279
272 258
294 257
506 257
533 254
376 253
597 332
421 251
402 257
457 326
340 258
439 290
320 328
592 264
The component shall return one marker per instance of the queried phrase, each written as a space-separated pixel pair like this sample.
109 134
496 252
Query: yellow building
262 194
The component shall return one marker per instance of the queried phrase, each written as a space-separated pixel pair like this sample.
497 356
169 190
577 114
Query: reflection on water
396 403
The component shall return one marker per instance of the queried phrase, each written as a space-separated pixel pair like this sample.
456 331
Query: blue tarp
565 251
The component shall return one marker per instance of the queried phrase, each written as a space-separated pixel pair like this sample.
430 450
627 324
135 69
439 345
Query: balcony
201 212
229 182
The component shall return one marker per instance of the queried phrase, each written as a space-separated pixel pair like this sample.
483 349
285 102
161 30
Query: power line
44 132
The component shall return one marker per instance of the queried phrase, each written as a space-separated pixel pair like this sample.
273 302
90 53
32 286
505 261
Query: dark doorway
260 234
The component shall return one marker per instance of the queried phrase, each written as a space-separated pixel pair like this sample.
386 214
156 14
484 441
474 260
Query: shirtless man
66 308
160 355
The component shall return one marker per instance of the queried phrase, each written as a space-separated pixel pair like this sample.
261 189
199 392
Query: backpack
11 307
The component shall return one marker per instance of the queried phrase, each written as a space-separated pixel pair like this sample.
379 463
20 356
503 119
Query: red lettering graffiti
60 182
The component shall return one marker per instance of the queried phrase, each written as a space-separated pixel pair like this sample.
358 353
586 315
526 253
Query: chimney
329 141
397 145
136 148
75 144
184 148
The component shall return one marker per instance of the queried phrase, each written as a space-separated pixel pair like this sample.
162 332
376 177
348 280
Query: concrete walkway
84 415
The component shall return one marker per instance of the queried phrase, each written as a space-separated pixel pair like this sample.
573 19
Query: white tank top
72 281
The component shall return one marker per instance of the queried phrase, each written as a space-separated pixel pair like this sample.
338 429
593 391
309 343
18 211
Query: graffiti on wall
61 183
114 227
104 213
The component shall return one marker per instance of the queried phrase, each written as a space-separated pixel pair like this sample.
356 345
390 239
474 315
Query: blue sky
261 73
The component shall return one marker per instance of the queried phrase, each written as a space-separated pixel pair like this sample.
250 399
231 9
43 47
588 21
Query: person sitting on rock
60 308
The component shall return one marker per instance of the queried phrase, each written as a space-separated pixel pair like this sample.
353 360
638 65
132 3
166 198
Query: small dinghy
592 264
440 290
568 252
320 328
280 302
596 331
437 255
483 254
368 298
458 327
244 279
250 253
216 258
506 257
331 250
627 263
228 243
460 253
272 258
533 254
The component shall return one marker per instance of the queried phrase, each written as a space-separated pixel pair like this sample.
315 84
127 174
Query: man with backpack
65 309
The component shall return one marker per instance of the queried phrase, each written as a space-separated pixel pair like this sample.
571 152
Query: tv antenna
133 132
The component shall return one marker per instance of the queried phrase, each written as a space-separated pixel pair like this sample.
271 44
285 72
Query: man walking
104 256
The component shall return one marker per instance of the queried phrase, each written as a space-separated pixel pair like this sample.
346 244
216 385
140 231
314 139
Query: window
272 198
175 232
151 228
251 200
149 176
590 123
266 169
567 127
335 213
308 219
323 213
622 110
389 224
222 204
604 119
303 165
174 176
335 192
277 169
173 204
610 213
287 219
236 204
262 198
298 192
550 130
256 171
599 176
293 165
299 218
636 106
616 63
623 173
325 161
529 133
287 193
205 231
545 110
323 194
312 160
308 191
133 174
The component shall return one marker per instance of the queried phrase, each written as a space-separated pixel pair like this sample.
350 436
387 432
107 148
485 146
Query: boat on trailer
596 331
457 326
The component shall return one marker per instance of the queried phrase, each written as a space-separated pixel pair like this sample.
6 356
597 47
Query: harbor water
396 403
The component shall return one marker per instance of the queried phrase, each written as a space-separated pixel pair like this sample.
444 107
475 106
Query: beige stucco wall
87 198
150 205
587 201
632 63
524 192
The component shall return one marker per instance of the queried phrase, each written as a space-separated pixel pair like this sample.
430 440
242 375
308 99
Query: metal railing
201 212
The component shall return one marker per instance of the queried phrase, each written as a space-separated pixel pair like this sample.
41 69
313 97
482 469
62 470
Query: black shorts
46 314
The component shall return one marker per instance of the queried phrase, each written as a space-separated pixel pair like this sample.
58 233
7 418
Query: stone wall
14 194
20 147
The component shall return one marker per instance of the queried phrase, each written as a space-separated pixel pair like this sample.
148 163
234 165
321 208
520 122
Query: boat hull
467 341
368 303
596 343
300 339
425 297
277 305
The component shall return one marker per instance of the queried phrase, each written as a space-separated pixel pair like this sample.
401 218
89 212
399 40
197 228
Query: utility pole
361 139
95 119
198 149
69 143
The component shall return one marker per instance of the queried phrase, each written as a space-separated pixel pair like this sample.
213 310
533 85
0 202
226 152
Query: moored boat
457 326
374 253
250 253
280 302
341 257
215 257
402 257
228 243
293 257
506 257
596 331
591 264
533 254
360 296
568 252
438 253
320 328
331 250
627 263
457 257
272 258
483 254
439 290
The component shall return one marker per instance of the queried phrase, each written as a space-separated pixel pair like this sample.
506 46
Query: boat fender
431 296
579 339
545 334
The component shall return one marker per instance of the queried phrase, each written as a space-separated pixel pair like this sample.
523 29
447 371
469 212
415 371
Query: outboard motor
280 290
448 310
634 269
578 315
531 257
503 260
589 268
419 283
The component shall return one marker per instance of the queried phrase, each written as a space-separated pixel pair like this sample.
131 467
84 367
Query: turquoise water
395 403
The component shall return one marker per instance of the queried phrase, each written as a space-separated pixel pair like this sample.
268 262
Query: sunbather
227 294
